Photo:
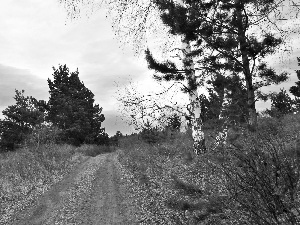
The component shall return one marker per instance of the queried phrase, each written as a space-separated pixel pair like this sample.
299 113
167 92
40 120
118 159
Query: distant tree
119 134
20 119
114 140
150 134
282 104
174 122
102 139
72 109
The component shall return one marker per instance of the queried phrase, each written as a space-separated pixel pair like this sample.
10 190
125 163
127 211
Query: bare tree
154 109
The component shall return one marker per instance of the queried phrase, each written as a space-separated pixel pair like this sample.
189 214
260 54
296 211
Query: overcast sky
36 35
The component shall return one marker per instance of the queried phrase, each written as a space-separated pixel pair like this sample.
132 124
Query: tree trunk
194 106
221 138
252 120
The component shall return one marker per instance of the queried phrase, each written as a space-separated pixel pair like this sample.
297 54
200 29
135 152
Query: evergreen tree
174 122
221 40
295 90
72 109
227 99
281 104
115 140
226 29
20 119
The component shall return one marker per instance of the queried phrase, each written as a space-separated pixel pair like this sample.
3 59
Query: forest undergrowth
252 179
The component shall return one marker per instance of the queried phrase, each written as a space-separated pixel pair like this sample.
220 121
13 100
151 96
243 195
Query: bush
262 172
151 135
43 135
252 179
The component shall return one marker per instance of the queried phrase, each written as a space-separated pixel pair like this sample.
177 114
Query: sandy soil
90 194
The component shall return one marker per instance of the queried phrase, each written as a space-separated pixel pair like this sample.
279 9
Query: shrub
151 135
43 135
262 172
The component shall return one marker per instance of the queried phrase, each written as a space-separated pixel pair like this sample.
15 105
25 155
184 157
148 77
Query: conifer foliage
295 90
222 41
281 105
20 119
72 109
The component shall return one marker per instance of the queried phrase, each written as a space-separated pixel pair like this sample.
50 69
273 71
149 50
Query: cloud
21 79
36 36
113 123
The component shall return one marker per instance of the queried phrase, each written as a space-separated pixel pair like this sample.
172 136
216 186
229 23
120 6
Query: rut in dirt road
91 194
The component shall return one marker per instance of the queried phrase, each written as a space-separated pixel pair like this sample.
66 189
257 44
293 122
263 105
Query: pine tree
20 119
181 23
72 109
281 104
224 26
227 99
221 39
174 122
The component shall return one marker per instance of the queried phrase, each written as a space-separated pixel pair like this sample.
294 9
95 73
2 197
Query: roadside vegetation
252 179
31 170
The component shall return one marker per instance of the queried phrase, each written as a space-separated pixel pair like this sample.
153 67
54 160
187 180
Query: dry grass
178 188
170 180
29 172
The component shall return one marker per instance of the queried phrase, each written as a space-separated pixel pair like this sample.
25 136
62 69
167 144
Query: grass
237 183
219 187
94 150
28 172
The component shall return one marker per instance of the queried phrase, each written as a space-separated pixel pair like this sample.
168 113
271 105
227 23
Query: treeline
70 116
152 134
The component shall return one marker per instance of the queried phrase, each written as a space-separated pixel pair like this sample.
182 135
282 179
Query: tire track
91 194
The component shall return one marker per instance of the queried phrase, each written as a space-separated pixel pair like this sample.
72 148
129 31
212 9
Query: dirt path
91 194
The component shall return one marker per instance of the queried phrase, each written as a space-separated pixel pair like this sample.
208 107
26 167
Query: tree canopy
281 104
20 119
224 42
71 107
